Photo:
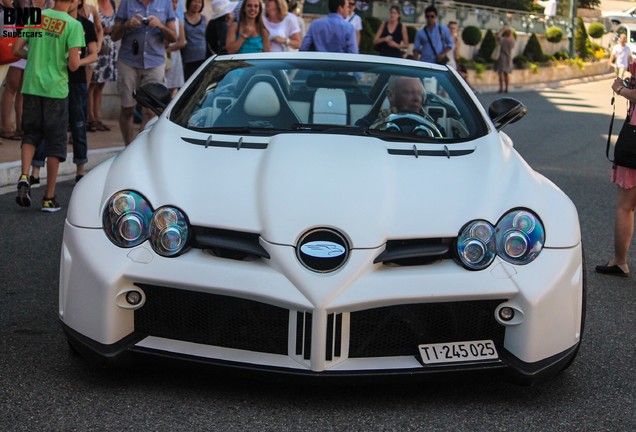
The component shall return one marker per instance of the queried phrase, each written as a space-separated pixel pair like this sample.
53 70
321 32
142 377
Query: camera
144 20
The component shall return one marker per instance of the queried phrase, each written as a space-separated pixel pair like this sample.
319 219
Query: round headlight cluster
476 245
129 220
169 231
126 219
518 239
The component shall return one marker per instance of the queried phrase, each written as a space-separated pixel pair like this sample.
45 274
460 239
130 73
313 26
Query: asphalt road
45 388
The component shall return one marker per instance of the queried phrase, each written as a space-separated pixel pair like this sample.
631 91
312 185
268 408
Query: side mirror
505 111
153 96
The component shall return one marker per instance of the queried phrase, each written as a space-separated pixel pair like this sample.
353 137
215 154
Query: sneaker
24 192
34 181
50 205
78 178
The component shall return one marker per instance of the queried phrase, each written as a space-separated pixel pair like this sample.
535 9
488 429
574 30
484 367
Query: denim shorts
44 117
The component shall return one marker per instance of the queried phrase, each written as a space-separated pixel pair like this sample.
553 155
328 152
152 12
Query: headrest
262 101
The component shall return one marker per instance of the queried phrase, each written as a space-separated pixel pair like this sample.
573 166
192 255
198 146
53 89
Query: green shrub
471 36
596 30
411 32
554 34
582 44
487 46
368 34
533 50
374 23
520 61
561 55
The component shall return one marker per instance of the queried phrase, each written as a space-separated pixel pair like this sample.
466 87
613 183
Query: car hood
369 189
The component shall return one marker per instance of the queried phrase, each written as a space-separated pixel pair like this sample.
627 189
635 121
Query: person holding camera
624 176
144 27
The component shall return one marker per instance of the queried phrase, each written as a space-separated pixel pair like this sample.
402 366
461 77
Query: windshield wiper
244 130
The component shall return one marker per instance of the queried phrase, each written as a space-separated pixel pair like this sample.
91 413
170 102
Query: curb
10 171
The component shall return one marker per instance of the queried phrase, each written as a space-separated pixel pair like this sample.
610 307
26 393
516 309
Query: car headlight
126 219
169 231
476 245
518 239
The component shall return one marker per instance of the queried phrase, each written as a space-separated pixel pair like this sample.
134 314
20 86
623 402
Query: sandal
15 135
91 126
101 126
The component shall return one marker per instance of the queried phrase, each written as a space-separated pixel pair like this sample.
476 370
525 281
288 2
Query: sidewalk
101 146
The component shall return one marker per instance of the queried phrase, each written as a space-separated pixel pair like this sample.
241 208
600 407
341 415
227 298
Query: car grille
398 330
212 319
231 322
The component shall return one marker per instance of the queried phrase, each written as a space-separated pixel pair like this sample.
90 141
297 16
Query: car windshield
292 95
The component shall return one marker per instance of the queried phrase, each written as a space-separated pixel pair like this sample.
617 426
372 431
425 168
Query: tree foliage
596 30
582 44
533 50
487 46
554 34
471 35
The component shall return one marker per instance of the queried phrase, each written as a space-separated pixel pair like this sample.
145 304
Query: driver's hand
383 114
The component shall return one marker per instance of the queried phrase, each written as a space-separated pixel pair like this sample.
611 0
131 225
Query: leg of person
148 76
97 106
32 123
623 232
55 127
11 89
624 225
77 112
127 81
36 164
506 81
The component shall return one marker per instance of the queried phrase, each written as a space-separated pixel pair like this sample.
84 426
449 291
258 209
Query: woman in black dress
391 38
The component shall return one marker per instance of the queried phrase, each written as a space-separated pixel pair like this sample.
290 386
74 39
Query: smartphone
144 20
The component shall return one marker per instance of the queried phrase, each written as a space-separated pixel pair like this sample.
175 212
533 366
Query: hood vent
226 144
235 245
417 153
415 251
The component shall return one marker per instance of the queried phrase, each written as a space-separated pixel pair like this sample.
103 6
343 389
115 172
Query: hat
222 7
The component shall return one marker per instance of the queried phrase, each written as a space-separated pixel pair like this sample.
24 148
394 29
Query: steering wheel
410 123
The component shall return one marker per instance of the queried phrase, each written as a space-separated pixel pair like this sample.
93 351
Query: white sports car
291 212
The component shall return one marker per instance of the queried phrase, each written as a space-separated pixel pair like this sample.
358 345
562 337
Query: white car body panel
301 181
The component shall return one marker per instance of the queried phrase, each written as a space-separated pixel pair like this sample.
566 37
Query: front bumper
275 315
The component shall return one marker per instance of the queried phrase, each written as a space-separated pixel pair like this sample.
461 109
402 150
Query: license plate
455 352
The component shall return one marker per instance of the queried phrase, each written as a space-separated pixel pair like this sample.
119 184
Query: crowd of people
133 43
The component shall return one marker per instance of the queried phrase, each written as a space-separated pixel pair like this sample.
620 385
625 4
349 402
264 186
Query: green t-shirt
46 71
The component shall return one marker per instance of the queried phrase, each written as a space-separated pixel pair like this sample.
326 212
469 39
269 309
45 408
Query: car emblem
322 250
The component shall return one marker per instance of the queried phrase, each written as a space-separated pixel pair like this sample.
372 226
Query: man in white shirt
549 7
622 54
354 19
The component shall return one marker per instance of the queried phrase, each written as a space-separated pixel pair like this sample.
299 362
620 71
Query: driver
405 94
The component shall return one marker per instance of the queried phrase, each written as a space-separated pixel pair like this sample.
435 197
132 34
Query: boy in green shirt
51 50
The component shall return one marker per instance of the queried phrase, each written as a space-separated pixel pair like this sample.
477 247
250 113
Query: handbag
444 59
496 53
104 50
6 50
